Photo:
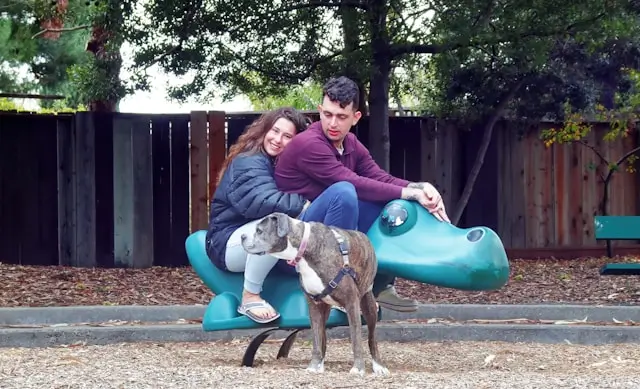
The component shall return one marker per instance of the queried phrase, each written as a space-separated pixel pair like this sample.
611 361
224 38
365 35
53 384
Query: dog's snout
243 236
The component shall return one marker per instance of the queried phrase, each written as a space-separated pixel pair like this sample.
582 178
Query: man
328 165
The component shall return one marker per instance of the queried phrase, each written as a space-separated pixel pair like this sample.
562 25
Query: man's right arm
320 164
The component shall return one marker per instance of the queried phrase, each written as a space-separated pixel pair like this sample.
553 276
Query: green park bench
618 228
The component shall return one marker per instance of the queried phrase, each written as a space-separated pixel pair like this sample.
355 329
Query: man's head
339 108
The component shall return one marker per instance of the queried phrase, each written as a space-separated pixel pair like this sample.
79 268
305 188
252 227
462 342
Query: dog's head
270 235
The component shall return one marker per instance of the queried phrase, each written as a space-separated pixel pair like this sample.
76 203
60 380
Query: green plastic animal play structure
409 243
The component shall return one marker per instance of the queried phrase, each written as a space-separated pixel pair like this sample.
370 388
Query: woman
246 193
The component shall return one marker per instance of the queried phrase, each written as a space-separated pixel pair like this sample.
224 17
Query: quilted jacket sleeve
253 191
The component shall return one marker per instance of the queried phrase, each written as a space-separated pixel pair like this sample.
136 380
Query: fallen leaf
489 359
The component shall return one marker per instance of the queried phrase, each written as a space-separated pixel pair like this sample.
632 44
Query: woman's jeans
338 206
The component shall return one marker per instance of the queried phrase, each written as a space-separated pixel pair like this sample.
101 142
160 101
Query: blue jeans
339 206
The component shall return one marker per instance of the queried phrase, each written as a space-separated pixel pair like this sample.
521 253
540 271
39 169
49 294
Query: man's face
337 121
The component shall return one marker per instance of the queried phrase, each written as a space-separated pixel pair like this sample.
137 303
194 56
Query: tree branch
399 49
484 146
602 158
68 29
627 155
189 18
485 15
292 76
314 4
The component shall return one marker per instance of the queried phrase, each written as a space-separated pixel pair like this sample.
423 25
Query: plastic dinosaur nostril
475 235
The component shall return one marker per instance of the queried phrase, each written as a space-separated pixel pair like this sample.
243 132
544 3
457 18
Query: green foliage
303 97
45 61
62 65
622 121
222 46
551 52
58 107
8 105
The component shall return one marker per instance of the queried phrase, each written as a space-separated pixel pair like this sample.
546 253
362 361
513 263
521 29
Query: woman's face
278 136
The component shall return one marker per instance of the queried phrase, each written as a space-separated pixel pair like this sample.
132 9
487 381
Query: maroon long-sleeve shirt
310 164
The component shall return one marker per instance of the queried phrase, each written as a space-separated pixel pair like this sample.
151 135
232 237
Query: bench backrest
617 227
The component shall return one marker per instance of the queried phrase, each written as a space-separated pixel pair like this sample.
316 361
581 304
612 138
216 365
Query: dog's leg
370 313
318 314
355 329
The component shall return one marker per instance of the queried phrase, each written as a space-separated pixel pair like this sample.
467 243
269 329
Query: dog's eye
258 230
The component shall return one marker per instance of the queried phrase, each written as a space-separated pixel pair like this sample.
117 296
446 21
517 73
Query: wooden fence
125 190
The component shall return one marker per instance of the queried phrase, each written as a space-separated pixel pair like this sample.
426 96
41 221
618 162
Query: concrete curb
96 314
394 332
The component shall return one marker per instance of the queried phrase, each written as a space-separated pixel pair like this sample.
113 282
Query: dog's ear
282 224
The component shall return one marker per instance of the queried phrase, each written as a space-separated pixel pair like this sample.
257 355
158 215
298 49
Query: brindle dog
321 253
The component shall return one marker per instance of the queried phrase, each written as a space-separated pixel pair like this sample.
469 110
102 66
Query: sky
157 101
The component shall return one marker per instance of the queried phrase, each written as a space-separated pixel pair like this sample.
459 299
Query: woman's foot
255 308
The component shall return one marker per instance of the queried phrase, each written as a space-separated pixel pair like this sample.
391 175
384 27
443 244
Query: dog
336 268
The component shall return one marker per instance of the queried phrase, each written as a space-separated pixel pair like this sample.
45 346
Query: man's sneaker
390 299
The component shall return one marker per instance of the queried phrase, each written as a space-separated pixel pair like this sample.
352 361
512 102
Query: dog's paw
379 370
356 370
316 367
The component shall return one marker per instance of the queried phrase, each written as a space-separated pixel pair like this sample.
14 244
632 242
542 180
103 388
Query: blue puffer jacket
246 192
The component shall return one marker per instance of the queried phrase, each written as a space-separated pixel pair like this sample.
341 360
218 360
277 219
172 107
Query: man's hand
429 197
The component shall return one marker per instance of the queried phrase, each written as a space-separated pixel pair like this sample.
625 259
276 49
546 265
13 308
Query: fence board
133 187
67 197
40 239
103 200
411 137
217 148
123 210
143 192
85 184
179 189
198 167
10 219
161 165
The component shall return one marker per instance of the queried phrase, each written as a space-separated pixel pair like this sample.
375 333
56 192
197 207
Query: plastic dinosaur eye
396 218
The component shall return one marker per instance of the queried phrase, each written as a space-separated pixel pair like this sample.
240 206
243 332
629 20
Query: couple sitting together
322 174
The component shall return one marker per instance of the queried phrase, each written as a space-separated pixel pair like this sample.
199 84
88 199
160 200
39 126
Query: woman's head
270 133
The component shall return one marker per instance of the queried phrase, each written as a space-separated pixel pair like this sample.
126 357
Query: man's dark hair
343 91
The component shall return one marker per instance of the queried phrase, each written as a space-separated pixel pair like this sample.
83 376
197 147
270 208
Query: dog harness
343 245
346 270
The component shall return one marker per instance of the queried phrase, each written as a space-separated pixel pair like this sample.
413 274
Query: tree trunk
482 151
379 85
351 38
105 44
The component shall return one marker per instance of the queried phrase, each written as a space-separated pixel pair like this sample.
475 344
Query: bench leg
252 348
287 344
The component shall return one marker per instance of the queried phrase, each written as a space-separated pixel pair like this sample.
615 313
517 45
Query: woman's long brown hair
252 138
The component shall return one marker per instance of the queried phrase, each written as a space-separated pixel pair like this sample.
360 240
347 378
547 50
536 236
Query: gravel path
412 365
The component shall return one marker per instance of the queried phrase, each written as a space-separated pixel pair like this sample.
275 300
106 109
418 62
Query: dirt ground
412 365
575 281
